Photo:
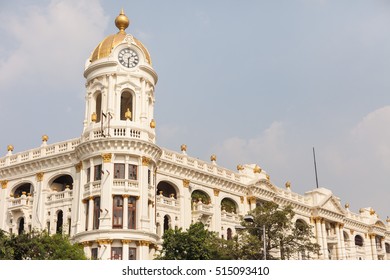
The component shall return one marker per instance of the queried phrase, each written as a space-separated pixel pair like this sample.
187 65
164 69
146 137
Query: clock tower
118 155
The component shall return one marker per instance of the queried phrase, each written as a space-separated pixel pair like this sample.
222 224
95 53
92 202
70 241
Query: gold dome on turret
105 47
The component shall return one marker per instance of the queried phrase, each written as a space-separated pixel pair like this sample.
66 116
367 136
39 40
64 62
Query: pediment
333 205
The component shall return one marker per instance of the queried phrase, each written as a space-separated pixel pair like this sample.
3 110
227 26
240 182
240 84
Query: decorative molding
39 176
107 157
242 199
126 241
216 192
145 161
104 241
257 169
186 183
240 167
86 243
143 243
251 199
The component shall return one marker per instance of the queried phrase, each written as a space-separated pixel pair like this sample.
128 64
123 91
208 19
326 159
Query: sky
250 81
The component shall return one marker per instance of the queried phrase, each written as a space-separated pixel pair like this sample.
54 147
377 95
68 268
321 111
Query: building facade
116 192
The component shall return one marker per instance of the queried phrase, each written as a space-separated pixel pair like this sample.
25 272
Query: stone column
185 205
38 203
339 253
217 212
343 249
77 200
374 253
3 204
384 247
320 238
143 247
125 211
324 240
87 249
106 191
125 249
90 213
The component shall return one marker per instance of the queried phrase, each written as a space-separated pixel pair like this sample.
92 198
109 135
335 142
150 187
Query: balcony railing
167 201
20 202
60 196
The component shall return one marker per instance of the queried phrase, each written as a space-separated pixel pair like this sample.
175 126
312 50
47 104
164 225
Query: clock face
128 58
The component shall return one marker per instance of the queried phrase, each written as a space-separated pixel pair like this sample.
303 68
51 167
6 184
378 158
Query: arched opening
229 234
126 105
60 222
25 189
359 241
166 189
98 108
346 236
21 226
387 248
229 205
61 183
200 196
301 225
167 222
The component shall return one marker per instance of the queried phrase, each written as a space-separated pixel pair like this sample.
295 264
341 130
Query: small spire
122 22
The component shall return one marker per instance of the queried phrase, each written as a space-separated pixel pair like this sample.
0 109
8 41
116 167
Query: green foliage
284 240
197 243
39 246
228 205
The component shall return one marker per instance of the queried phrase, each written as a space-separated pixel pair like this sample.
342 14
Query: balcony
230 217
171 202
60 197
21 203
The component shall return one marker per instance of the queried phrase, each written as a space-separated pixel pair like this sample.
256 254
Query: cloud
48 44
267 148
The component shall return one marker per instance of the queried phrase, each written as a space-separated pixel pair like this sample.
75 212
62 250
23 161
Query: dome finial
122 22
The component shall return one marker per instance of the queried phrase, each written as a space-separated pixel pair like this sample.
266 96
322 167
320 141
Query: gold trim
125 195
242 199
143 243
86 243
79 166
267 176
251 199
257 169
10 148
107 157
216 192
94 117
4 184
104 241
213 157
126 241
351 231
145 161
183 147
39 176
288 185
45 138
152 123
186 183
240 167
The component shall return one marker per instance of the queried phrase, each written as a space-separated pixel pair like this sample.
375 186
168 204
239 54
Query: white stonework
114 190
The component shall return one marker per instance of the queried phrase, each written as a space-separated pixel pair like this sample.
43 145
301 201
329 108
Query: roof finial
122 22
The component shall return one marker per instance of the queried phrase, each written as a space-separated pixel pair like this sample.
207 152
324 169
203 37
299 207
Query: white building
114 190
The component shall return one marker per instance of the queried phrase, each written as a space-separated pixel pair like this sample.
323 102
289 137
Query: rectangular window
96 212
48 227
94 253
149 177
119 171
97 172
132 172
131 210
69 226
117 219
132 253
88 174
116 253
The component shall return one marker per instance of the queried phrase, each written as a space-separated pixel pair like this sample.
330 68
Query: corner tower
115 205
120 83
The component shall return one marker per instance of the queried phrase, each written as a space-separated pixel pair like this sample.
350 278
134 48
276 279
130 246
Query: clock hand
128 61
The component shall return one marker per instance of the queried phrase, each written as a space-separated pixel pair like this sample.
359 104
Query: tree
39 246
196 243
284 239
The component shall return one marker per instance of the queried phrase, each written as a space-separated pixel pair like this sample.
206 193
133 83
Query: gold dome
106 46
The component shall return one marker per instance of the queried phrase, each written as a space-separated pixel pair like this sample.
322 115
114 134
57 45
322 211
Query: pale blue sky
251 81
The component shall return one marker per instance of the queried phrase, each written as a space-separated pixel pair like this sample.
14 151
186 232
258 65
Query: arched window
23 189
301 225
126 104
166 189
96 212
228 205
98 109
167 221
60 221
199 195
229 234
61 183
358 240
21 226
387 248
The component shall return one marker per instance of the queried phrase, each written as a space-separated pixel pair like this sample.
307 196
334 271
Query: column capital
4 184
145 161
186 183
216 192
126 241
242 199
251 199
143 243
79 166
39 176
107 157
